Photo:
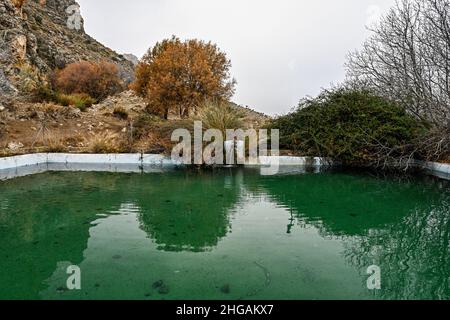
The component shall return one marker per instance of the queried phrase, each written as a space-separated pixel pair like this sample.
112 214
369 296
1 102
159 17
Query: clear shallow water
227 234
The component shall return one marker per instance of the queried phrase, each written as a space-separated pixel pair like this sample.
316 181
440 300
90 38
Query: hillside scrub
354 128
81 101
97 79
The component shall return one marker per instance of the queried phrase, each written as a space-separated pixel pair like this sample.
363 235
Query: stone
132 58
157 284
225 289
19 47
163 290
14 146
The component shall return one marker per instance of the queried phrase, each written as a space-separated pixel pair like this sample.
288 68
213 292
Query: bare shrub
407 58
97 79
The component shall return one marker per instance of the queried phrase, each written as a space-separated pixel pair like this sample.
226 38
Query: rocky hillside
47 36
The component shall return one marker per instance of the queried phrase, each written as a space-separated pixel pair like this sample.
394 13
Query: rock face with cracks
47 35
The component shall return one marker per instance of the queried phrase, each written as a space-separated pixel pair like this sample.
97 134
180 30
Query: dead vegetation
119 124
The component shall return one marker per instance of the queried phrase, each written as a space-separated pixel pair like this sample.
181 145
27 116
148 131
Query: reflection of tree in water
400 225
413 255
189 212
47 220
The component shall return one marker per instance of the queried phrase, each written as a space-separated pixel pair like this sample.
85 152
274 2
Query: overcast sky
281 50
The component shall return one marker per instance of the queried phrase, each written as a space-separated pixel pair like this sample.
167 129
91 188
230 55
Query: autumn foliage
176 76
18 3
97 79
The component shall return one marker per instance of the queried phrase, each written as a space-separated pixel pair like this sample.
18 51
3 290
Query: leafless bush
407 60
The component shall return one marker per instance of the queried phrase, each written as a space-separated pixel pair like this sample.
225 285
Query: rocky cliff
47 35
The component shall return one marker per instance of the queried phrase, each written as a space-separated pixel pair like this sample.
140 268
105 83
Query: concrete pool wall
17 166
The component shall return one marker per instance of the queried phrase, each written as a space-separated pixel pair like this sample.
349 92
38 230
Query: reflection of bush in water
402 226
188 213
413 255
345 204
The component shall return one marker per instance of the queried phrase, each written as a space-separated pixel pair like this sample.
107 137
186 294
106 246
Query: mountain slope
47 37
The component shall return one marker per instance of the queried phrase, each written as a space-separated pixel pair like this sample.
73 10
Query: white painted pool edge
29 160
134 158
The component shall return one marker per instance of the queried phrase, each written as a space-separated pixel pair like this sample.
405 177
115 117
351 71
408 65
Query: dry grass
57 141
106 142
220 115
55 144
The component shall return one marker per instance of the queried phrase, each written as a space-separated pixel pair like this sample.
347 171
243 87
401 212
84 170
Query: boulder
14 146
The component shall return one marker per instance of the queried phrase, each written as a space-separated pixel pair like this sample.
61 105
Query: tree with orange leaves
177 76
20 3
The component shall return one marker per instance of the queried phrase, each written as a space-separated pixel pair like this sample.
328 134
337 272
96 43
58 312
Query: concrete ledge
18 172
134 158
440 170
17 166
94 158
22 161
293 161
438 167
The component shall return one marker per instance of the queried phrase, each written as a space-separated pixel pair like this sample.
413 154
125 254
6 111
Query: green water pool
224 234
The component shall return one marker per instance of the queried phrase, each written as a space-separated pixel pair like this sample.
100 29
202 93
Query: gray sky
281 50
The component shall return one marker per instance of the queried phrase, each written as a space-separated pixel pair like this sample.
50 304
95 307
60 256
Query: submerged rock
161 286
225 289
157 284
163 289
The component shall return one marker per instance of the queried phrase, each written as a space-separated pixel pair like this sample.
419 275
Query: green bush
144 123
40 91
352 127
79 100
44 93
